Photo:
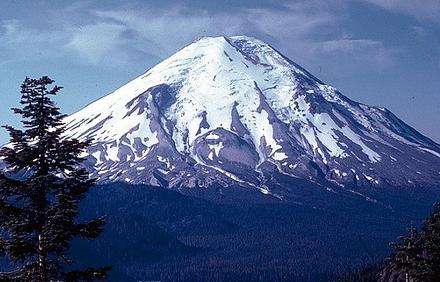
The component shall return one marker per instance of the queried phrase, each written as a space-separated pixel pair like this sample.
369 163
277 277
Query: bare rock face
234 111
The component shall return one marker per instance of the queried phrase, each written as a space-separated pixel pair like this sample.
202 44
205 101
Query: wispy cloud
426 9
108 44
359 50
126 34
19 42
122 36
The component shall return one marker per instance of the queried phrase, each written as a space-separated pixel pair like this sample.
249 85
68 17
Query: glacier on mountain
234 111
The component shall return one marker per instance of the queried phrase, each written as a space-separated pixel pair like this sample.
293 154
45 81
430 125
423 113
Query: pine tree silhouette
431 246
40 191
416 256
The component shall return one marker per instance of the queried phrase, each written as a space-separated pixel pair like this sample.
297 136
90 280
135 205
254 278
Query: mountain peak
233 110
221 40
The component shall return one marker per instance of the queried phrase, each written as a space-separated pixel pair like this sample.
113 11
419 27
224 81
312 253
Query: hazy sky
379 52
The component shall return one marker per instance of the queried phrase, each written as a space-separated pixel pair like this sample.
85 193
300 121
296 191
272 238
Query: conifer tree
431 247
40 191
416 256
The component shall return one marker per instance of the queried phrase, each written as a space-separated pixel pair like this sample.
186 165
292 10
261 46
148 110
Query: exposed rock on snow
223 110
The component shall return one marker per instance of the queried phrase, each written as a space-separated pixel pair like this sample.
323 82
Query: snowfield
233 110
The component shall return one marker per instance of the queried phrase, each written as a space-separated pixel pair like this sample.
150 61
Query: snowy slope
235 111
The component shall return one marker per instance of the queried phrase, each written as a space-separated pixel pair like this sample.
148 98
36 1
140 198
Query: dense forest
193 239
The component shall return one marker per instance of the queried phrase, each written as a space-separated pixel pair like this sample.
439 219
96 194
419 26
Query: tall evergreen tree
40 191
431 246
416 256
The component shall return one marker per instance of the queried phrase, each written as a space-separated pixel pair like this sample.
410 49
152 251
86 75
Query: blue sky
380 52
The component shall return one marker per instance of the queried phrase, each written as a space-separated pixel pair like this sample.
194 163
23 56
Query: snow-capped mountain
233 110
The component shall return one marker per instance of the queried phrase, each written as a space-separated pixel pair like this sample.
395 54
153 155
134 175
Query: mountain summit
234 111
